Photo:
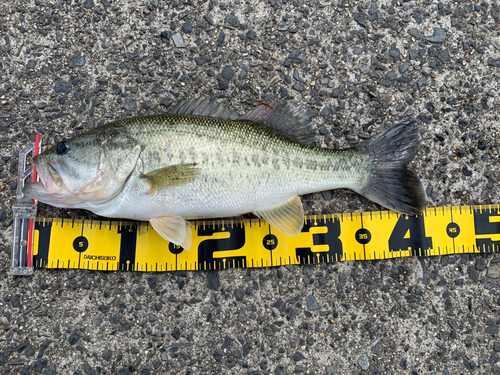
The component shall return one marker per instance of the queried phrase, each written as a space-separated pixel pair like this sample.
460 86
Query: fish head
91 167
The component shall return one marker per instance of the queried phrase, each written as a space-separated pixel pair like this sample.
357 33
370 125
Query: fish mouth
51 188
50 179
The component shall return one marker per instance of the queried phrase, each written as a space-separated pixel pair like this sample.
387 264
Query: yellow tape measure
220 244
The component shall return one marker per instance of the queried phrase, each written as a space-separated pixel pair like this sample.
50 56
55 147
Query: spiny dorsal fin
203 107
290 120
287 217
285 118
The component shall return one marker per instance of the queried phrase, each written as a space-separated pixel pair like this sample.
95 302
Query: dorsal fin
203 107
290 120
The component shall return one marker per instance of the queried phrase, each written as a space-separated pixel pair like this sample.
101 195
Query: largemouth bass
202 161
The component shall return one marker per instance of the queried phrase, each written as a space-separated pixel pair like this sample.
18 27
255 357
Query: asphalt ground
67 66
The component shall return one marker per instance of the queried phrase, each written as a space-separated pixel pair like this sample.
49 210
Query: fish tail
389 183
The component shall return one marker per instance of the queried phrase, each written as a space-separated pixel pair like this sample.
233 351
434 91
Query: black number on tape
128 241
484 224
409 235
305 255
208 247
44 230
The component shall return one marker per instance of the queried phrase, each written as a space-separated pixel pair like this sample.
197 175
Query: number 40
416 241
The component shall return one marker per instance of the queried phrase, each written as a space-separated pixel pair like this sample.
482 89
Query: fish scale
180 140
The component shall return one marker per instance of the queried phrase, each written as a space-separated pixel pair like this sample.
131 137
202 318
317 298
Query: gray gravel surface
67 66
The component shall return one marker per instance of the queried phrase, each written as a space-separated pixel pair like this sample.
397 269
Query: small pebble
78 60
31 64
437 37
360 18
130 104
364 362
88 4
493 271
178 40
298 356
415 33
376 349
312 304
64 87
186 28
227 73
230 19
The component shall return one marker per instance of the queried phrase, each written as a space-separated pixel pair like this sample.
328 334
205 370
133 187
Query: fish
202 161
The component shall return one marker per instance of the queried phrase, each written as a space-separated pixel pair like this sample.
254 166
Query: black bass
202 161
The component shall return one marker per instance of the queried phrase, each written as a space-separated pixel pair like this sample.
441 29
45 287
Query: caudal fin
390 184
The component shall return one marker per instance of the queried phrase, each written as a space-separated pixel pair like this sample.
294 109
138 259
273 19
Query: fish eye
62 147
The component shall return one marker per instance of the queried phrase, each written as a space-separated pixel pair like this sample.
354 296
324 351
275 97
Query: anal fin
287 217
173 229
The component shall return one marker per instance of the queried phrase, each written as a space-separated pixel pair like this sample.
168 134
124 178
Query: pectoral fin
287 217
172 175
173 229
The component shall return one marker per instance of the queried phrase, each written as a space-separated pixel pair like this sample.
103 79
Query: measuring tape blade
220 244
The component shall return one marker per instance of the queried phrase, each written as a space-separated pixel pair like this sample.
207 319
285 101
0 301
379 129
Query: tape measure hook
24 212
